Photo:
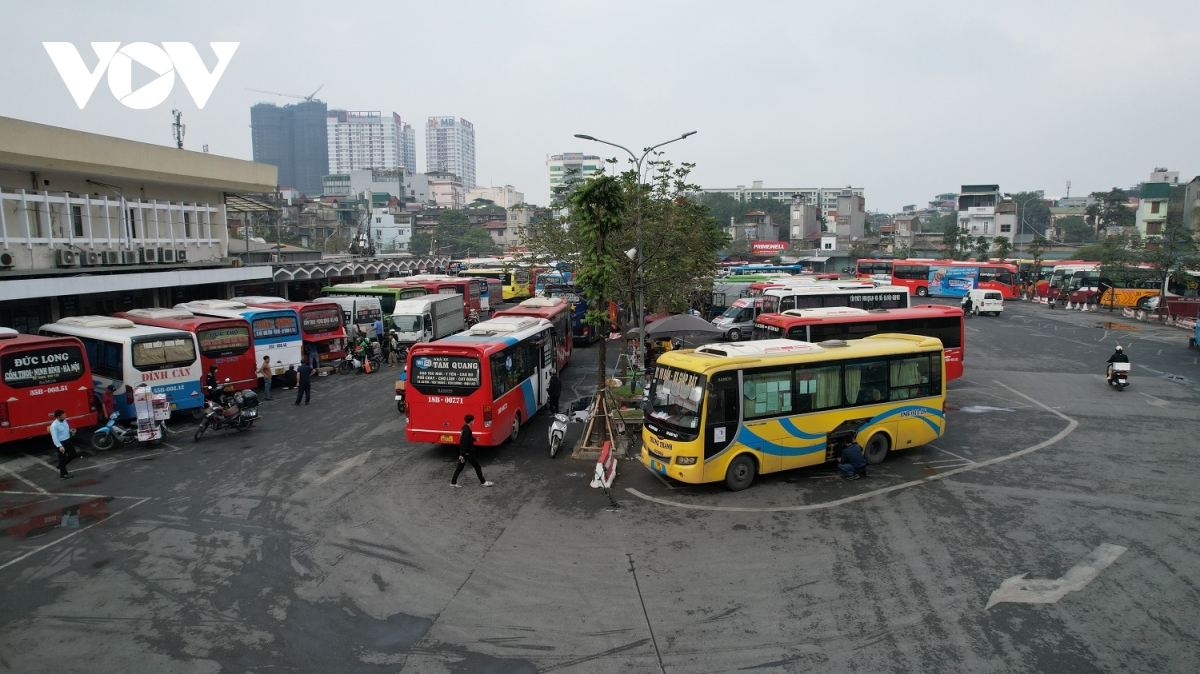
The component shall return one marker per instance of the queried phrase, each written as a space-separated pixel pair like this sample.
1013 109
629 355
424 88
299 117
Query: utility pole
178 128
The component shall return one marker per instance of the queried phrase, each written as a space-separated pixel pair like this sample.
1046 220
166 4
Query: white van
986 302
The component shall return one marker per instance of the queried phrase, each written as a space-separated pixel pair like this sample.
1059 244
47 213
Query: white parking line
172 449
70 535
19 477
951 453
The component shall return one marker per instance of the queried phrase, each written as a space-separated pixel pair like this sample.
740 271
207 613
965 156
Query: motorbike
353 363
558 431
400 402
1119 377
238 411
112 434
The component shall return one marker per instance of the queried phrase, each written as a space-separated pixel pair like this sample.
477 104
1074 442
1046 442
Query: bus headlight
685 460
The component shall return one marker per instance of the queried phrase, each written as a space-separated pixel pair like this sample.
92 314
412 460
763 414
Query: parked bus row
944 278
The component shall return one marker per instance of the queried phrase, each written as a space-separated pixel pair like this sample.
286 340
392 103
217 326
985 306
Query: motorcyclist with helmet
1118 356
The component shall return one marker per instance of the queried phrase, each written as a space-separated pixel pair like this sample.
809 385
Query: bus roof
766 352
102 327
176 319
12 338
851 315
832 289
281 303
234 312
490 335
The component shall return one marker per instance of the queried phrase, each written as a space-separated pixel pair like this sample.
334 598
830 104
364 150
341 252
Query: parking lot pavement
322 541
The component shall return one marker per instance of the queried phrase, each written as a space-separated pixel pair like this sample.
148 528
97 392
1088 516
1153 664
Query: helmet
1119 348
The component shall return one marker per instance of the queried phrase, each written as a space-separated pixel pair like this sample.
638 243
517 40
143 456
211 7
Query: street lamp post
637 161
1021 223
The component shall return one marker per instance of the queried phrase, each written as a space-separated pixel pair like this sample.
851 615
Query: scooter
238 412
352 364
558 431
1119 378
112 433
400 402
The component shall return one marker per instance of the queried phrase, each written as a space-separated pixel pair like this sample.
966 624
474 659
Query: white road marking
138 457
343 466
1020 590
1072 424
1157 402
73 533
946 451
19 477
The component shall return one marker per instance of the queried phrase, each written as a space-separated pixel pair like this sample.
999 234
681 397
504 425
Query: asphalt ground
322 541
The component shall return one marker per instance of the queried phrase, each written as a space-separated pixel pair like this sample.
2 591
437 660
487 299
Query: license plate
251 413
172 405
399 397
657 466
445 438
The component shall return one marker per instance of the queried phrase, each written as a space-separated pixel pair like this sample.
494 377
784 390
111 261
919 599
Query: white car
986 302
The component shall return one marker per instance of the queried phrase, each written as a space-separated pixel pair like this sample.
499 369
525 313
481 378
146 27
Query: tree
982 246
903 251
1117 253
597 209
1171 254
1112 211
860 250
739 250
723 207
1036 250
1074 229
1032 211
1003 247
455 236
955 240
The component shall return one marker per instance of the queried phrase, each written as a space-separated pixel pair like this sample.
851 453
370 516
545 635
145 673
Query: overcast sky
906 100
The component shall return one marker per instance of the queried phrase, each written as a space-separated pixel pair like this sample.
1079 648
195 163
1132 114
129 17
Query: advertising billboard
952 281
768 247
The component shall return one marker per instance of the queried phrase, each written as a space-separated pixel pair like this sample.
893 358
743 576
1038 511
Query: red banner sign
768 247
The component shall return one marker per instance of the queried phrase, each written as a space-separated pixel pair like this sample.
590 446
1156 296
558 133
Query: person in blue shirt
64 444
378 329
852 463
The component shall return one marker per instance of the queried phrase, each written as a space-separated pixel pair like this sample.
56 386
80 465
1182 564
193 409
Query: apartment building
367 140
450 148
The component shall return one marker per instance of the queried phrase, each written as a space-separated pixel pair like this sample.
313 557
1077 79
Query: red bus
818 325
445 285
320 324
497 371
866 268
948 278
224 342
39 375
556 310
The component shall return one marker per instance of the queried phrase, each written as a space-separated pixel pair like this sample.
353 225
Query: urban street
1052 528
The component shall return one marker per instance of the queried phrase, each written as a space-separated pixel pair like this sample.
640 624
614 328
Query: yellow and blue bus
516 283
732 411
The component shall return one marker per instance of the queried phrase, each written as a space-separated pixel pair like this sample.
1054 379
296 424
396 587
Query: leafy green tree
1003 247
1032 212
455 236
1037 249
598 207
723 207
1171 254
981 248
739 250
941 222
957 241
1074 229
1112 211
903 251
860 250
1117 254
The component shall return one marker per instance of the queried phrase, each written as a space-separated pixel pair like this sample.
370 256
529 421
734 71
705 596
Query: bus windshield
154 353
38 367
275 326
675 397
316 321
227 341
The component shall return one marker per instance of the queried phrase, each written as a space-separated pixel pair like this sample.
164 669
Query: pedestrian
351 333
378 329
385 346
64 444
966 305
108 403
393 349
266 373
304 390
553 390
290 377
314 356
852 463
466 442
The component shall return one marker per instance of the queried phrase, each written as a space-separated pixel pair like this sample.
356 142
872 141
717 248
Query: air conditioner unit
7 259
149 255
66 258
90 258
110 257
166 255
130 257
181 255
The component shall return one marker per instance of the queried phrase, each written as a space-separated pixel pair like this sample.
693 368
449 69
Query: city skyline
1042 86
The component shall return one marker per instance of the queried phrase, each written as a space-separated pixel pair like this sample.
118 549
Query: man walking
265 372
378 329
852 463
108 402
465 444
553 390
304 389
64 444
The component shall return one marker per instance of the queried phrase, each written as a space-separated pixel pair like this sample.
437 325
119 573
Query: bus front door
721 416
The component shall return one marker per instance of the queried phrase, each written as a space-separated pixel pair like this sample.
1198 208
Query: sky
906 100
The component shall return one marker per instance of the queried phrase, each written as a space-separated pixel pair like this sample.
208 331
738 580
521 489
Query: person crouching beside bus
852 463
60 433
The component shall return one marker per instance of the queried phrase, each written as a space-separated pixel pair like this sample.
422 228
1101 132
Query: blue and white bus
276 331
126 355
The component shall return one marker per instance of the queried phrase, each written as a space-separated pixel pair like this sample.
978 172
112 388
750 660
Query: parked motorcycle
1119 377
400 402
352 363
238 411
558 431
113 433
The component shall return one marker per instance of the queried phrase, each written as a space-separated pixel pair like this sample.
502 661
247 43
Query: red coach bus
948 278
39 375
818 325
497 371
445 285
866 268
224 342
556 310
320 324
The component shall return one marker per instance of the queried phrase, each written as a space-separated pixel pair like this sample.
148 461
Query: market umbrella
682 325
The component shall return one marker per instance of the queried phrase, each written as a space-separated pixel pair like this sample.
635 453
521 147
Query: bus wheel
922 291
877 449
1144 304
740 473
516 427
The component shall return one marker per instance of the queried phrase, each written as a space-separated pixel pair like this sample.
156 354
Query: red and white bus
949 278
320 324
440 284
868 267
224 342
818 325
556 310
759 288
497 371
39 375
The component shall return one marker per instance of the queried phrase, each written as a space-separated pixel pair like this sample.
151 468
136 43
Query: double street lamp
637 161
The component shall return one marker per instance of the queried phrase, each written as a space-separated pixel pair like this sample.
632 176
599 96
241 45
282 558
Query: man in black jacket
553 390
1117 357
466 442
304 389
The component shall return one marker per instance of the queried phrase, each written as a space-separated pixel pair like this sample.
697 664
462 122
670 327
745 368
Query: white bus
817 296
124 354
276 331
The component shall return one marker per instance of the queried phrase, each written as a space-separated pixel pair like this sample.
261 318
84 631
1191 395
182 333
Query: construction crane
279 93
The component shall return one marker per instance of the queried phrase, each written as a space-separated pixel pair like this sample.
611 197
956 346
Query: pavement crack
645 613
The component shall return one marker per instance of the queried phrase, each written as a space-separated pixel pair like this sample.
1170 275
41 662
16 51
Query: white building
446 190
824 198
505 197
392 232
450 148
367 139
983 212
359 181
570 167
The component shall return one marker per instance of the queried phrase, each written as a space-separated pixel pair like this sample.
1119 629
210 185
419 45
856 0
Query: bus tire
877 449
733 335
922 291
740 473
1144 304
515 432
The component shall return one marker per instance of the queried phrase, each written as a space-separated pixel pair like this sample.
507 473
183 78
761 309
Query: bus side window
722 405
867 382
767 393
910 377
788 302
817 388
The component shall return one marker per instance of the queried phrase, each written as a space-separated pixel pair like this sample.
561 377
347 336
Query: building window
1154 228
828 246
1005 228
187 225
1154 206
77 220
